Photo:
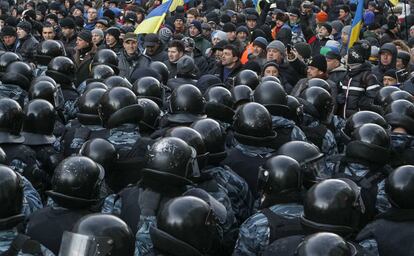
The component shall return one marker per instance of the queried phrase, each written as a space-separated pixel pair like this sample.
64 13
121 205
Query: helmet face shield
192 168
58 98
78 244
314 171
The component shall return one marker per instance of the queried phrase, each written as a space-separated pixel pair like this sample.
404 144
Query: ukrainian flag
176 3
356 24
154 19
394 2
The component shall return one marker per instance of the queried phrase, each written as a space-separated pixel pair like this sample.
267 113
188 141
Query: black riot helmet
98 234
219 104
151 115
11 120
88 105
99 150
119 106
76 182
383 94
161 69
241 94
317 82
371 144
95 84
280 175
7 58
38 123
325 244
318 103
186 104
18 73
170 161
308 156
47 50
273 96
192 138
148 87
107 57
62 70
247 77
332 206
253 125
43 90
101 72
360 118
295 109
398 95
213 136
271 78
117 81
11 196
186 225
399 187
44 78
400 113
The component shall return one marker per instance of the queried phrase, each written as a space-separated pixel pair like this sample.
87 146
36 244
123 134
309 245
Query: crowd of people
238 128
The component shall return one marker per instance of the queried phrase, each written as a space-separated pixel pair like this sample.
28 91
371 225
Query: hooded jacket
379 70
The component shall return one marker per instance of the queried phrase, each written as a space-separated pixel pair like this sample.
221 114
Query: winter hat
278 45
391 73
319 62
337 25
114 31
304 49
327 26
165 34
369 18
346 29
196 24
261 42
98 31
282 17
242 29
220 34
25 25
8 31
321 17
85 35
67 23
355 54
185 65
229 27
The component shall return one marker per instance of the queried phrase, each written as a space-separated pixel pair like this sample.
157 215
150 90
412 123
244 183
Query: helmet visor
58 98
77 244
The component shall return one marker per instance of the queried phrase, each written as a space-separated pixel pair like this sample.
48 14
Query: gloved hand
148 201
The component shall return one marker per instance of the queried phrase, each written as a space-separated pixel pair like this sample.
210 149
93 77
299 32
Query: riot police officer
332 205
16 81
280 206
236 187
45 52
392 229
63 71
76 185
254 141
219 105
87 125
11 199
272 95
318 108
197 232
97 233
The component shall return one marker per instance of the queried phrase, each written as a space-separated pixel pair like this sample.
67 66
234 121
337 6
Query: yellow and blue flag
154 19
356 24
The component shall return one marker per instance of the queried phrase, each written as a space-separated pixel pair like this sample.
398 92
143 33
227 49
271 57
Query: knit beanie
327 26
113 31
319 62
321 17
85 35
98 31
278 45
25 25
261 42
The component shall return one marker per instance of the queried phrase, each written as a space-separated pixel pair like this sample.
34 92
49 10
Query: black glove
148 201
